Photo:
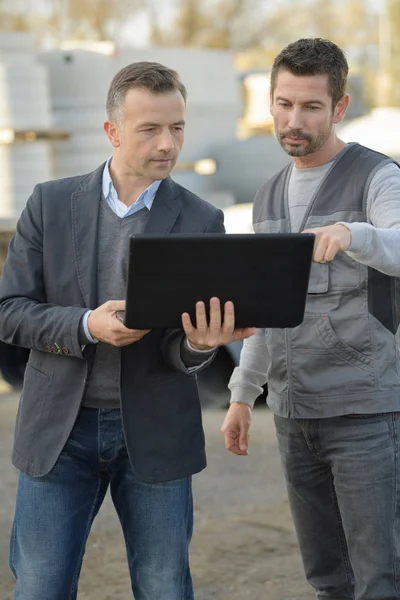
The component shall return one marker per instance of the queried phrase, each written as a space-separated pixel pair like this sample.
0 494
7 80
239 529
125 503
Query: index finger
187 324
117 305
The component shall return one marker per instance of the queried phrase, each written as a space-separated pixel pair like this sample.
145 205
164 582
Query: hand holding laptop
105 325
220 329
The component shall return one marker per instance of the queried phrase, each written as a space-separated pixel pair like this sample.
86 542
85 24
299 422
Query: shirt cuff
209 351
85 328
359 235
195 360
241 395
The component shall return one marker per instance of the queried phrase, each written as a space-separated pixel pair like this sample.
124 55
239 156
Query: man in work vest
333 381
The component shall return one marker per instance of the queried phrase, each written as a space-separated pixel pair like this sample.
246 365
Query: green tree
72 19
95 19
225 24
246 24
257 34
13 19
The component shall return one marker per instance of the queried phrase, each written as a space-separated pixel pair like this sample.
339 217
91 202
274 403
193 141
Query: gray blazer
48 283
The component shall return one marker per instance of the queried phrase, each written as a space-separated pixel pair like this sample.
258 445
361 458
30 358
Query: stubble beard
154 173
315 143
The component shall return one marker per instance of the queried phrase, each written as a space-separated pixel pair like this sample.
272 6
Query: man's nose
165 141
296 119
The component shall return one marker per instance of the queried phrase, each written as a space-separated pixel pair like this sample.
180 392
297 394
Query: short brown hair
150 76
314 56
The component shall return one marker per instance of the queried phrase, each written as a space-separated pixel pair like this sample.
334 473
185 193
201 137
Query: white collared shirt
145 199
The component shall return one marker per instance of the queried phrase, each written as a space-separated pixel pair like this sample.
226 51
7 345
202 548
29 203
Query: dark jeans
54 515
343 484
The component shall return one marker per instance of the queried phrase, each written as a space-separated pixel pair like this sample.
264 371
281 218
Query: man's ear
341 108
271 100
112 133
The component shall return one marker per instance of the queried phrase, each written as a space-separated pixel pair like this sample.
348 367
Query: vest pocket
323 364
342 273
319 278
337 346
277 370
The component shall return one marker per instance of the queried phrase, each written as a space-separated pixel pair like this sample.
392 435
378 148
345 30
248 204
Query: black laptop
264 275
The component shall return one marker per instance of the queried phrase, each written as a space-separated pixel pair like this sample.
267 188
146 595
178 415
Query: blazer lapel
165 209
85 204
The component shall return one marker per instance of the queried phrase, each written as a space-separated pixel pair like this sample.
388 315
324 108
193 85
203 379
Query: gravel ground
243 545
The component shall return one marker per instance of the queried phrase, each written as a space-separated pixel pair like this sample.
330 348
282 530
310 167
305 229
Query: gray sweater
103 390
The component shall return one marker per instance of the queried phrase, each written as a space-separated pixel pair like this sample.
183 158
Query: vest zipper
288 342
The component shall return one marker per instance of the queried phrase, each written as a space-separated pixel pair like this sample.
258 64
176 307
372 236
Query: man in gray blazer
103 405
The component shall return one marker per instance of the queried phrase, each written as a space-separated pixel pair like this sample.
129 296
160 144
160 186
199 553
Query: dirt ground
243 545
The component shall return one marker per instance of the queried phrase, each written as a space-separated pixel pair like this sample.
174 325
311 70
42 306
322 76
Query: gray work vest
344 357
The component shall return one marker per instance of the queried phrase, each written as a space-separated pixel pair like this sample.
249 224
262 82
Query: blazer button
53 349
64 350
48 349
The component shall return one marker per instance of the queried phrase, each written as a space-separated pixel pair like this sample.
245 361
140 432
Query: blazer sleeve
173 348
216 224
26 318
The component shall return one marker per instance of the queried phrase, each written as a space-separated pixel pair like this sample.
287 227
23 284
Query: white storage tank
22 166
24 97
16 43
78 83
24 112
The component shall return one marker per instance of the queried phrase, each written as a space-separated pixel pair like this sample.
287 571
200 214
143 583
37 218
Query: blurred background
57 58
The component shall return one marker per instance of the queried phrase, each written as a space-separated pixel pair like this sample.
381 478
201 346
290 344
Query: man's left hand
219 331
329 241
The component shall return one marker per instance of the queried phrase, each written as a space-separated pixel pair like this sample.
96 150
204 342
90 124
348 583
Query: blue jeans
54 515
343 485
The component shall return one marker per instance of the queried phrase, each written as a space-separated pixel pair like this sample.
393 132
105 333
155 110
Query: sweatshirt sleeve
248 378
377 242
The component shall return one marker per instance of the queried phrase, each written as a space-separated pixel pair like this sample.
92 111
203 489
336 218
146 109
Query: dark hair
150 76
314 56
